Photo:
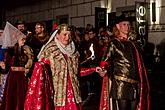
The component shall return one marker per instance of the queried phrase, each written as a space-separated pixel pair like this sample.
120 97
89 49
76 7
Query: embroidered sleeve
28 51
86 71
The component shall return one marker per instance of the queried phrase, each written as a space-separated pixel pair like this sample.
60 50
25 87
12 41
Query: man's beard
23 31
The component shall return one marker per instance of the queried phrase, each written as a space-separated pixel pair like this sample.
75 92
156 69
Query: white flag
11 35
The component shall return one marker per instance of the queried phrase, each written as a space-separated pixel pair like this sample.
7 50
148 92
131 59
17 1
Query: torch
92 57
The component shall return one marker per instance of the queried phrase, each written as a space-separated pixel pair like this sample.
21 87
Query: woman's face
39 29
64 37
21 42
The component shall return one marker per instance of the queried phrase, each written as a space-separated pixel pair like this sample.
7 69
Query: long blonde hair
115 31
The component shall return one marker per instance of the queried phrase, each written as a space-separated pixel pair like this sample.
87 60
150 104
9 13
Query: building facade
82 12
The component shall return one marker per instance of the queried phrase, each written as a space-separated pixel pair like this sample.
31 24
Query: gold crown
63 27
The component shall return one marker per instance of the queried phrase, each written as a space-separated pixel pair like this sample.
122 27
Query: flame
92 50
92 55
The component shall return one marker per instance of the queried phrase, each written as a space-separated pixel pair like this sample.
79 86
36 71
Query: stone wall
82 12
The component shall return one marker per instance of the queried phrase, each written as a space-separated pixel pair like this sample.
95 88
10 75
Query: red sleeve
45 60
86 71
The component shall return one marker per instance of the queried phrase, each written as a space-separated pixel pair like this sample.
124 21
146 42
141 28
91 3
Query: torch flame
93 53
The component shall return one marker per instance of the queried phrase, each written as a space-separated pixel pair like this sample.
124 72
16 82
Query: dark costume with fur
126 78
36 42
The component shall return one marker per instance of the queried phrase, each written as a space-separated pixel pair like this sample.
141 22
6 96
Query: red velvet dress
40 91
16 83
15 91
70 101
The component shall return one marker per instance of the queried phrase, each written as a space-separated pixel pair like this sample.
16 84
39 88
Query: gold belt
120 78
17 68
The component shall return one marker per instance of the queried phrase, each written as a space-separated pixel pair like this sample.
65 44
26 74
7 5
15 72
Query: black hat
121 18
19 22
112 23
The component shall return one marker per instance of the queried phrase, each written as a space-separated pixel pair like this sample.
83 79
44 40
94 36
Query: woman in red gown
54 84
17 82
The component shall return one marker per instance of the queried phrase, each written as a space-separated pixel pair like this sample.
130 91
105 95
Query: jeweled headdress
63 27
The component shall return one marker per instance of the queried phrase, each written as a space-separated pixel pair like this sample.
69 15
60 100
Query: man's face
39 29
91 34
86 37
124 27
64 37
21 27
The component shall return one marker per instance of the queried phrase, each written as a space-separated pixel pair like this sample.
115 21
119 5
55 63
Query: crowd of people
49 71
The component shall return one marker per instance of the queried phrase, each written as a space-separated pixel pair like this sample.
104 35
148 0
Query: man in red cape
125 85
